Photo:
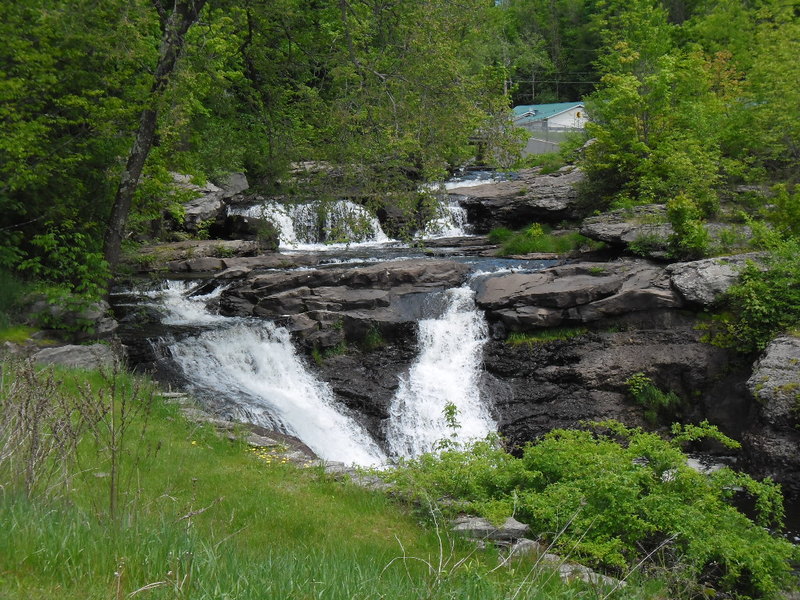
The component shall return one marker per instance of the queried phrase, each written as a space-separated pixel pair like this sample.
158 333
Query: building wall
574 118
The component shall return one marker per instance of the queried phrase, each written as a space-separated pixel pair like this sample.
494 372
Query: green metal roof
540 111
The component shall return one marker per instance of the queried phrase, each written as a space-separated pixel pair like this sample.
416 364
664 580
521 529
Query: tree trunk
174 26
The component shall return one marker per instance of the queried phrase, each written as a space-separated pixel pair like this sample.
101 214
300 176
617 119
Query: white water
451 220
254 365
445 373
316 226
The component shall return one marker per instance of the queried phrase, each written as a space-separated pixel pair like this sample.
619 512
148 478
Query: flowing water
319 226
254 366
443 379
251 371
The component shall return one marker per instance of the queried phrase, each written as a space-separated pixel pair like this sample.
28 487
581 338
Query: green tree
71 81
174 25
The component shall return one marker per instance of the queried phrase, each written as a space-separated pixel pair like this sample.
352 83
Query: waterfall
445 374
450 221
252 365
319 225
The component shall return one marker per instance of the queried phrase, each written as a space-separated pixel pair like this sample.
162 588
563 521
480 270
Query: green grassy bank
109 493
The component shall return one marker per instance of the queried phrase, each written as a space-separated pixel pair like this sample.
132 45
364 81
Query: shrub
499 235
613 496
538 238
764 302
14 290
690 238
655 402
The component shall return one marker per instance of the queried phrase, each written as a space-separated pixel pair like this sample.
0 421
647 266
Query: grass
201 516
538 238
549 162
16 334
546 335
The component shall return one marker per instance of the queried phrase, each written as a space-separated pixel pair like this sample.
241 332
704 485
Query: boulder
531 197
702 282
775 382
645 226
234 183
92 321
95 356
209 200
576 293
770 446
479 528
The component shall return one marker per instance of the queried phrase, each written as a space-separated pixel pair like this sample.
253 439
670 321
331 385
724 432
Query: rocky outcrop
366 379
644 226
95 356
327 306
576 293
537 387
531 197
209 199
702 282
646 231
511 535
775 385
482 529
86 322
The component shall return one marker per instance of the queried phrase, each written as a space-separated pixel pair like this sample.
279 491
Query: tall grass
538 238
199 516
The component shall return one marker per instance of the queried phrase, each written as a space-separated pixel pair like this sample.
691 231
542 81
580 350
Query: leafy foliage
764 302
538 238
612 496
655 402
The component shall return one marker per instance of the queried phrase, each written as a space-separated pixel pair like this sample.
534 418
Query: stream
250 369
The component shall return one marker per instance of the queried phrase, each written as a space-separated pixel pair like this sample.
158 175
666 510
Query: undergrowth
199 516
622 500
545 335
538 238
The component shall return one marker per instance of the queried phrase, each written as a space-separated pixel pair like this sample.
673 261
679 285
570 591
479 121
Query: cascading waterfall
451 220
254 365
310 225
445 374
251 366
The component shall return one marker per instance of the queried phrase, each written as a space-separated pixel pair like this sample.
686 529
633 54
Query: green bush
690 239
615 496
539 238
14 290
549 162
764 303
655 402
499 235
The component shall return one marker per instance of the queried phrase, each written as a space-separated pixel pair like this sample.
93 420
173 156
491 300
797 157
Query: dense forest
687 99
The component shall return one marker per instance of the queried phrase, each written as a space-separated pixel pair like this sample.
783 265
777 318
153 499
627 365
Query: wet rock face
326 306
366 381
530 198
